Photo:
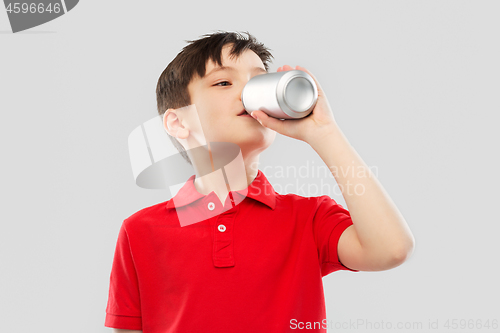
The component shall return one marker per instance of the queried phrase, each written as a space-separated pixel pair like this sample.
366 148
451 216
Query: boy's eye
222 83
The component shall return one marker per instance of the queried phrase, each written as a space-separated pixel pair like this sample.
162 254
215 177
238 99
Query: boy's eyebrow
232 69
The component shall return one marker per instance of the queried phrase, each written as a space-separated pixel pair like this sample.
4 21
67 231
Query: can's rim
280 92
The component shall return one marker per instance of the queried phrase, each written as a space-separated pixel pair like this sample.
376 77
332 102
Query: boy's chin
256 141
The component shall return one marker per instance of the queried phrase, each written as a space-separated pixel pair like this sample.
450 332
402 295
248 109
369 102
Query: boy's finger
269 122
256 114
305 70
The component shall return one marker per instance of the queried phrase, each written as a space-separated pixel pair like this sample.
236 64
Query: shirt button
221 227
211 205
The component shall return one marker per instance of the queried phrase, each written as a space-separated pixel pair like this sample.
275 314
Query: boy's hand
318 123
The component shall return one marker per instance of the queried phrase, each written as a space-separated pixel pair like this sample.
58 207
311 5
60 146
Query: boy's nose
243 84
240 90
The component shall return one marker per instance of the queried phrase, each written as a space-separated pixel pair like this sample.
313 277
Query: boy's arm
379 238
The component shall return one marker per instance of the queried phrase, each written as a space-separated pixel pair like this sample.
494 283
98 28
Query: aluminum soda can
283 95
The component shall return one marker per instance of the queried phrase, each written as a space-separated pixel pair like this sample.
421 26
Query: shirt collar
260 189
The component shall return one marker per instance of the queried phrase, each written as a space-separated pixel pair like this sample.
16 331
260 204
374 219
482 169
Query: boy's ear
173 125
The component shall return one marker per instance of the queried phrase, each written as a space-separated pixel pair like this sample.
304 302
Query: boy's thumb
266 120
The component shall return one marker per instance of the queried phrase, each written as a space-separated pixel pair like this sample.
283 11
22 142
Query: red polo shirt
254 265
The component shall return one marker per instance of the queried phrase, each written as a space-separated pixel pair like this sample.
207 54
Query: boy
227 253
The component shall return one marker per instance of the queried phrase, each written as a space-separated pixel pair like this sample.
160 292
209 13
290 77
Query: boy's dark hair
172 91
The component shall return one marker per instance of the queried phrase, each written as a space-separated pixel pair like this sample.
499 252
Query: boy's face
217 97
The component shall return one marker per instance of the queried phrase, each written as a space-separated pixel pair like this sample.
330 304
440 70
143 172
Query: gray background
413 84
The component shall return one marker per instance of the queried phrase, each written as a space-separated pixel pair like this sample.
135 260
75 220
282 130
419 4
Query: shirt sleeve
329 222
123 309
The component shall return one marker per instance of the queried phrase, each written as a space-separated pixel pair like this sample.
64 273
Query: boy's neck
235 176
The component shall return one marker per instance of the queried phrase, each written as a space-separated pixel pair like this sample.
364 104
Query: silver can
283 95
